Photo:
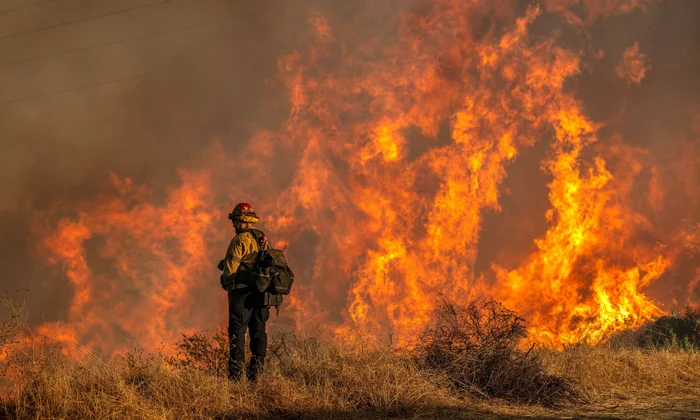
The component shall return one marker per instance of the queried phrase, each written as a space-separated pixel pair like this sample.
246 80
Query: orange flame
155 253
398 154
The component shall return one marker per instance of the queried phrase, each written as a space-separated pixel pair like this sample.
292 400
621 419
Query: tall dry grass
308 377
313 378
612 374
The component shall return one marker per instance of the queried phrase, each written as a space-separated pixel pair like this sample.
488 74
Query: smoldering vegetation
468 363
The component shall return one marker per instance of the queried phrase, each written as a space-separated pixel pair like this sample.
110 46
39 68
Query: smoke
137 88
634 66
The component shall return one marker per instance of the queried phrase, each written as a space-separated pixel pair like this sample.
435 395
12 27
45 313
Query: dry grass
308 377
316 379
312 378
612 374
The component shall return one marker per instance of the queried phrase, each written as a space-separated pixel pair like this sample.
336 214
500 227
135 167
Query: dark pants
240 318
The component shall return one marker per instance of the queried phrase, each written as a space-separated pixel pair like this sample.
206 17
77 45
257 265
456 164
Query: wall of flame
401 144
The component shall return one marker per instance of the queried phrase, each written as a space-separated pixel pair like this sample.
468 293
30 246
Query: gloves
221 265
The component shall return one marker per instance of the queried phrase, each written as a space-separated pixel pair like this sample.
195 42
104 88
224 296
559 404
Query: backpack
270 271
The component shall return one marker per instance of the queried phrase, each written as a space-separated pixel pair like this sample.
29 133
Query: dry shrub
204 351
477 347
13 321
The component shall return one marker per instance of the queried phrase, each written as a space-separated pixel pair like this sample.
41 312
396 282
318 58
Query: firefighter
245 306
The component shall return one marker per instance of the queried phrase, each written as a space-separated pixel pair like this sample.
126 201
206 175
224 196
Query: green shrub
674 331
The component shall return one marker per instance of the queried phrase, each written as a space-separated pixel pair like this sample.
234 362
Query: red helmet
241 210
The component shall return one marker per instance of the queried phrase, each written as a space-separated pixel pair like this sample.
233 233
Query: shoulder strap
258 235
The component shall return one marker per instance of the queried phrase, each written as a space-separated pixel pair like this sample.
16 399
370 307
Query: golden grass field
311 377
326 380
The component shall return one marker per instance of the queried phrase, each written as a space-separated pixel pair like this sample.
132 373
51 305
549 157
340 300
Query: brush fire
457 149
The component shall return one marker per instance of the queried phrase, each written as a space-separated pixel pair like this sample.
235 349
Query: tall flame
157 255
400 145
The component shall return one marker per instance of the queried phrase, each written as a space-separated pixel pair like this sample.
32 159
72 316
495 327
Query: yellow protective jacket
240 255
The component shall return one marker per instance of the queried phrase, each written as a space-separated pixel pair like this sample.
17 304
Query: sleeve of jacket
234 254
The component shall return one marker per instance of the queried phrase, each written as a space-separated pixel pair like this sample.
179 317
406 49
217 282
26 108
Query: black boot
235 371
255 368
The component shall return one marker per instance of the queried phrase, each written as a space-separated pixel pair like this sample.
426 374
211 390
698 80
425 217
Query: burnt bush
477 347
204 351
678 331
